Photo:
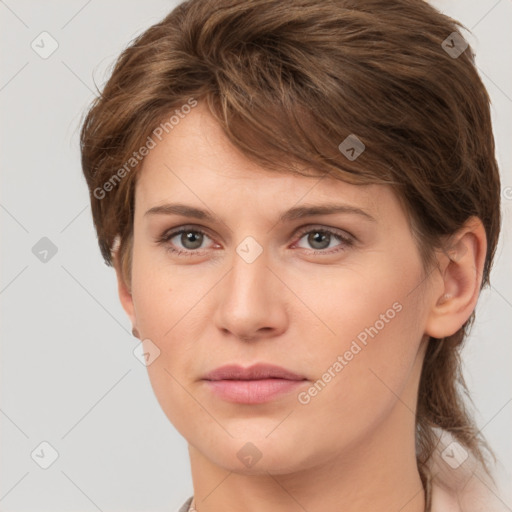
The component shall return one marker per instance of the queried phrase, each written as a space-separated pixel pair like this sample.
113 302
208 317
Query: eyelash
167 236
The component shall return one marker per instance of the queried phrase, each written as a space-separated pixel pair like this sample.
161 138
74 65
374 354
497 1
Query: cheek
163 294
368 301
377 324
358 382
168 310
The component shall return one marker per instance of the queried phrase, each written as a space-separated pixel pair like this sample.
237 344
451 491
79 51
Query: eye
320 239
191 240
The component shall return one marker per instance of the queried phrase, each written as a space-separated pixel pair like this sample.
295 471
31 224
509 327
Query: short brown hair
288 81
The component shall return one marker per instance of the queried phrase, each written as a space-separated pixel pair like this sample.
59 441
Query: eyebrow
295 213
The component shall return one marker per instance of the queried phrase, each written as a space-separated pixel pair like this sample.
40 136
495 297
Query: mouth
254 385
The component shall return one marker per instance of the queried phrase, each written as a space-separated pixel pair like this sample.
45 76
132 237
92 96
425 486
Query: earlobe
461 269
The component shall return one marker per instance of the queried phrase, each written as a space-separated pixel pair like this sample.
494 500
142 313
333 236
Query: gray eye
194 238
318 239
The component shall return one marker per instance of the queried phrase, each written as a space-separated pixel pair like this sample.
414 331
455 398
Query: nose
251 300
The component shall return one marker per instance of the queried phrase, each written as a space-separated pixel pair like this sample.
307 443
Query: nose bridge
248 279
248 301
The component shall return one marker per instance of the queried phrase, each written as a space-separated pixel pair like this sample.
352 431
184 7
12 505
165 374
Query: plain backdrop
68 374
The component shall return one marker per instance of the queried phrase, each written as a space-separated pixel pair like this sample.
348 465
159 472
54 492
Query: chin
260 454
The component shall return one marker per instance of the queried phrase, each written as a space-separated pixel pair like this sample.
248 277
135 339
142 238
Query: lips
256 372
254 385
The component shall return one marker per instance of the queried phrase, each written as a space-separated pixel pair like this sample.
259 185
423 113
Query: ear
124 292
461 266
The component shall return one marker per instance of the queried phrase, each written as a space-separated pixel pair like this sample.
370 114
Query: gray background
68 375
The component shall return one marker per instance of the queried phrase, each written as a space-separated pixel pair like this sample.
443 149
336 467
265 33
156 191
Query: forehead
195 160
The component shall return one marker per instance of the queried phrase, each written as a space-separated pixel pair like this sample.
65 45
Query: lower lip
252 391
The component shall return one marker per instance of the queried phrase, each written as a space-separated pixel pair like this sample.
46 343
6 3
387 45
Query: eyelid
319 227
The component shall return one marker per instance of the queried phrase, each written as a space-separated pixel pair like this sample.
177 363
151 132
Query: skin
353 442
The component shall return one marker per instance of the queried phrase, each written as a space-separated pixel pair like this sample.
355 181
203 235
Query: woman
301 202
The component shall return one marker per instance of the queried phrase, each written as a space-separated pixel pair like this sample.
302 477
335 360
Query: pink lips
256 384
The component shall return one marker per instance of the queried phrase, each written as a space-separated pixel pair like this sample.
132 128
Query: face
336 298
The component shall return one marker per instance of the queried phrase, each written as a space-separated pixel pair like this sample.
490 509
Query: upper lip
255 372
